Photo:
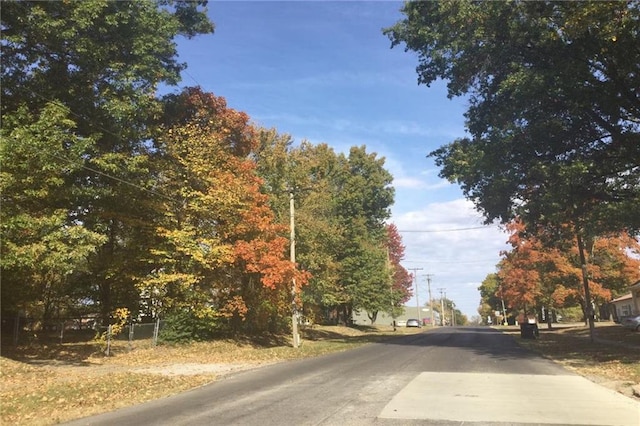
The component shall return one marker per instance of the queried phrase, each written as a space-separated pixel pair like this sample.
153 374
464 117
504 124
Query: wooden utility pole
441 307
430 299
453 314
294 290
415 281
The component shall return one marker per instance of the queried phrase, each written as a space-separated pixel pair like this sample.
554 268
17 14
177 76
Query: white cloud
407 182
454 246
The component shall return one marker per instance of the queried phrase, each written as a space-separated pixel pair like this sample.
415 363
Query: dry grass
48 384
613 359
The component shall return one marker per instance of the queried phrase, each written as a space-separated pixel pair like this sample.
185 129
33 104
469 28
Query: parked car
413 323
632 322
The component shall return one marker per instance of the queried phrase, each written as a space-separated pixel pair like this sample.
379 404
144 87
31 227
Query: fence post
108 340
16 330
131 325
156 329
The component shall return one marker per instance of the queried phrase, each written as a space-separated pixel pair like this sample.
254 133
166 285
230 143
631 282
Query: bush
186 326
571 314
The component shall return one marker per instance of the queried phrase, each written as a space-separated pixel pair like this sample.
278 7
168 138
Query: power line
117 179
447 261
425 231
84 166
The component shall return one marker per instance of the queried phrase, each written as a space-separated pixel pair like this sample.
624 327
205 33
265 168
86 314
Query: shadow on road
479 340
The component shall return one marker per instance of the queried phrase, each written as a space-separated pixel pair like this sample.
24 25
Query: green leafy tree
553 112
490 296
44 247
364 196
305 172
341 204
452 315
102 61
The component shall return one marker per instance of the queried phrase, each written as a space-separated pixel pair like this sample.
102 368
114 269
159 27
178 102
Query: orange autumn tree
221 259
520 280
613 263
536 273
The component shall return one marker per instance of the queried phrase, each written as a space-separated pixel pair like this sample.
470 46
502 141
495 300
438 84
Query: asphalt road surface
448 376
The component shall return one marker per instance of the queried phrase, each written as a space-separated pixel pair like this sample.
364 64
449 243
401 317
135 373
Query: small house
628 304
622 307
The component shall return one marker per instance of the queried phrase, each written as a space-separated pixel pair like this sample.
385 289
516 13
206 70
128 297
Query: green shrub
186 326
571 314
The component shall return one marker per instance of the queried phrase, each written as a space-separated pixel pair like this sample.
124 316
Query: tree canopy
341 208
553 109
554 113
116 201
535 275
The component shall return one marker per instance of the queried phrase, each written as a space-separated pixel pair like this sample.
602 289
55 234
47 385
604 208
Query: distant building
410 312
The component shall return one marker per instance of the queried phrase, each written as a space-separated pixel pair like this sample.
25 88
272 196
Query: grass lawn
45 384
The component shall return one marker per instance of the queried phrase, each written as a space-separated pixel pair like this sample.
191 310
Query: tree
363 197
491 296
102 61
341 207
308 171
402 281
553 112
43 247
532 275
220 254
535 274
451 315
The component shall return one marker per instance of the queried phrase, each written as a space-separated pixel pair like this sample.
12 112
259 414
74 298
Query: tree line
543 280
173 206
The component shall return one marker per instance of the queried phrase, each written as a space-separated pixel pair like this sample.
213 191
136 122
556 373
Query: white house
622 307
635 298
627 305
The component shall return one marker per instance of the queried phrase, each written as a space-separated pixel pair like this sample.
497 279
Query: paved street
446 376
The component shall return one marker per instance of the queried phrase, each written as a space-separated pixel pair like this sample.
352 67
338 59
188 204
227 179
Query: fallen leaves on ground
53 383
614 356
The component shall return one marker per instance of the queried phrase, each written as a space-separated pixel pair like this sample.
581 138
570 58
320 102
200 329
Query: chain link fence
21 330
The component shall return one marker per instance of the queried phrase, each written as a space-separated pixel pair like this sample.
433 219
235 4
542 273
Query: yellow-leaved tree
220 262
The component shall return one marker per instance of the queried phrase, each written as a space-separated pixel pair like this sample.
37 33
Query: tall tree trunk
588 309
105 286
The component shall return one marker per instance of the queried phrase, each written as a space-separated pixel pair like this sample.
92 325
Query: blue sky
324 72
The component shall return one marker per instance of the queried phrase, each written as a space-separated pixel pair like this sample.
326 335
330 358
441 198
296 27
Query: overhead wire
444 230
91 169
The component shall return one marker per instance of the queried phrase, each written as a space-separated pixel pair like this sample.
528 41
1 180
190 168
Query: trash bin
529 330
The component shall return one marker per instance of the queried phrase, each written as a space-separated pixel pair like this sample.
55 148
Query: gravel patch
193 369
